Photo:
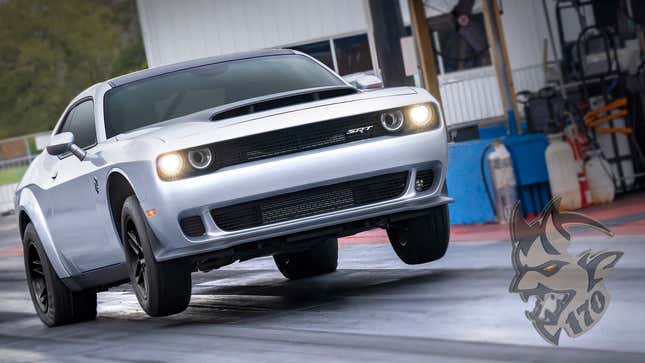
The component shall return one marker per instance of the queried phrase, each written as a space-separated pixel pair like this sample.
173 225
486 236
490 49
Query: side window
80 122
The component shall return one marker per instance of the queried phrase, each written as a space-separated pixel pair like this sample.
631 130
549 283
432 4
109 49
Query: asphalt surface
375 308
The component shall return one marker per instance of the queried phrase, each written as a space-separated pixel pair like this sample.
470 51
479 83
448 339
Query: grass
12 174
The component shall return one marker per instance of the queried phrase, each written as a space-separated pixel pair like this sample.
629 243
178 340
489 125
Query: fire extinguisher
585 191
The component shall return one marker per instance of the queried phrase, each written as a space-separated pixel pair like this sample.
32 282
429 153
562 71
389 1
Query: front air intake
424 181
310 202
192 226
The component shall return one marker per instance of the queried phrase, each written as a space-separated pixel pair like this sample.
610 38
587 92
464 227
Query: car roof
156 71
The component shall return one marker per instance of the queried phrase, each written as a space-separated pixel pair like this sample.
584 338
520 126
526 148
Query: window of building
319 50
459 49
352 54
345 55
456 49
463 48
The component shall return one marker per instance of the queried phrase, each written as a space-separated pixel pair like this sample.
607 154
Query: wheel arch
30 211
23 221
118 188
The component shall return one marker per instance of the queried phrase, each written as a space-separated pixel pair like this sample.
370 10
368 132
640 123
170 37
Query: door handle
55 175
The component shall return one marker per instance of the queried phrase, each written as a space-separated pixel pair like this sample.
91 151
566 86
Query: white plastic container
600 180
502 176
563 175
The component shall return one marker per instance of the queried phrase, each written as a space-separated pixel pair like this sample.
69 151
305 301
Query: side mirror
369 81
363 81
62 143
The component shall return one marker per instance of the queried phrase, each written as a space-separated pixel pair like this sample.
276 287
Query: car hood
198 126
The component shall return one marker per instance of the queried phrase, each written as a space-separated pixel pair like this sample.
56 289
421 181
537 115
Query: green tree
50 50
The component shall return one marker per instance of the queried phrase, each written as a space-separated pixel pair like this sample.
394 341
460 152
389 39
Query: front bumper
266 178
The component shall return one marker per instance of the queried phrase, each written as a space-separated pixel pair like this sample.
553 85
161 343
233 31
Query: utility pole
424 47
499 56
388 29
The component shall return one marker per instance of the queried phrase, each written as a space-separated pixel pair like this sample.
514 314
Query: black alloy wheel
162 287
137 260
37 278
54 302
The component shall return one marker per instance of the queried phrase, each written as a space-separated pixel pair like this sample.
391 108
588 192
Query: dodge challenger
154 175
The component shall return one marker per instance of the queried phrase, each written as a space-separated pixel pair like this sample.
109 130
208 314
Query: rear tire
55 304
318 260
162 288
422 239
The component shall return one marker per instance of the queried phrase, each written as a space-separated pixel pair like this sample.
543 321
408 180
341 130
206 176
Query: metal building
337 33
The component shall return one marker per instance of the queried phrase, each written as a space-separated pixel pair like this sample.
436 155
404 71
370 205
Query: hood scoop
260 104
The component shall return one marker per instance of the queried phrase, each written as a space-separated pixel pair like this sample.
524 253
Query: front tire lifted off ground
421 239
162 288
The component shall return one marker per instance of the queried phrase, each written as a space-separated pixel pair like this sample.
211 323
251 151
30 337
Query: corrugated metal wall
175 30
470 95
474 95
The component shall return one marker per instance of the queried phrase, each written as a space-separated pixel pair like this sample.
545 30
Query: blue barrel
531 174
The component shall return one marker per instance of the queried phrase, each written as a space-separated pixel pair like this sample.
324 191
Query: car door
73 193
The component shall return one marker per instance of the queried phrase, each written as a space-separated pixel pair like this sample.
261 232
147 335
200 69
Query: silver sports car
156 174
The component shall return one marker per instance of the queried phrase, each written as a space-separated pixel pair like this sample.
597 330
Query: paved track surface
375 308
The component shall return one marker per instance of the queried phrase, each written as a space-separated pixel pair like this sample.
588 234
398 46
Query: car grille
310 202
297 139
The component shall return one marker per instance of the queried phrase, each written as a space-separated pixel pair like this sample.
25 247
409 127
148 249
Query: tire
162 288
318 260
55 304
422 239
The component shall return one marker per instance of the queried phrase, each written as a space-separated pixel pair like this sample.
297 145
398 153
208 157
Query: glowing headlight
170 165
420 115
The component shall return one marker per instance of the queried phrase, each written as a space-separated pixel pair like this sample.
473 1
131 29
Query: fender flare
130 175
28 203
124 175
130 178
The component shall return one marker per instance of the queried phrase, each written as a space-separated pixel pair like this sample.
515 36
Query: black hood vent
284 100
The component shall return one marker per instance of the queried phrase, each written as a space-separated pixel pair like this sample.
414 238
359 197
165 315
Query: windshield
160 98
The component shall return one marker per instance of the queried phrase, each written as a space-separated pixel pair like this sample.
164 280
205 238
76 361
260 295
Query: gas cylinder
600 179
563 175
502 176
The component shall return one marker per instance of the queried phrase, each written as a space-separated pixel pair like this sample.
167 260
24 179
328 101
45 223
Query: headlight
420 115
170 165
200 159
392 120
